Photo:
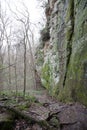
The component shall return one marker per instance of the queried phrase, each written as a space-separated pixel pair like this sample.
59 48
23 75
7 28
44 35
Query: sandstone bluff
62 54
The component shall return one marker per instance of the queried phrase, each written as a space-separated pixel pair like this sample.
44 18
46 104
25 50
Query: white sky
32 5
36 13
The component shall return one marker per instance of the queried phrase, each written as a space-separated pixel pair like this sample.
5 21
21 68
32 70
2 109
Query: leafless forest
17 43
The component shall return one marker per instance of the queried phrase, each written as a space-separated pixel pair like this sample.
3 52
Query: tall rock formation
64 50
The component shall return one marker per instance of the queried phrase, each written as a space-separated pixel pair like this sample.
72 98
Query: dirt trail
43 97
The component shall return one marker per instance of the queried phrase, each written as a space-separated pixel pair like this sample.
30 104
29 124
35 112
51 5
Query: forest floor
40 112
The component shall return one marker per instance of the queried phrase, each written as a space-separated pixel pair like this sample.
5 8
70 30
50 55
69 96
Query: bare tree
24 66
5 37
1 47
25 21
15 68
9 62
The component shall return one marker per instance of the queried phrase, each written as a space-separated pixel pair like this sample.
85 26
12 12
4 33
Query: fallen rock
70 117
72 114
39 112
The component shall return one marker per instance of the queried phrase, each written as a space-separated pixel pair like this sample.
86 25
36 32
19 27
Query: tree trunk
24 69
16 79
9 80
1 73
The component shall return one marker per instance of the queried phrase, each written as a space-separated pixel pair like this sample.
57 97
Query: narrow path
43 97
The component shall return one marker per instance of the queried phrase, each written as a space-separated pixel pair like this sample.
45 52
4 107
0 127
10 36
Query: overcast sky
32 5
36 12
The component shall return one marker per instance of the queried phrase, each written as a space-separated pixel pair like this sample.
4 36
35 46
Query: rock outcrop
64 50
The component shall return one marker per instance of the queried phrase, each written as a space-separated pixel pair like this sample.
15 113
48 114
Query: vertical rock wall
65 53
76 77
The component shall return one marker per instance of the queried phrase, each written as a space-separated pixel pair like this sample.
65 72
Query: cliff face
64 67
75 79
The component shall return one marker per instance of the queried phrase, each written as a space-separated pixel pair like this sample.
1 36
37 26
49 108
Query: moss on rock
75 88
46 75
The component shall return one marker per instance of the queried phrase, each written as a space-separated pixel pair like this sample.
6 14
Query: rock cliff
62 53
